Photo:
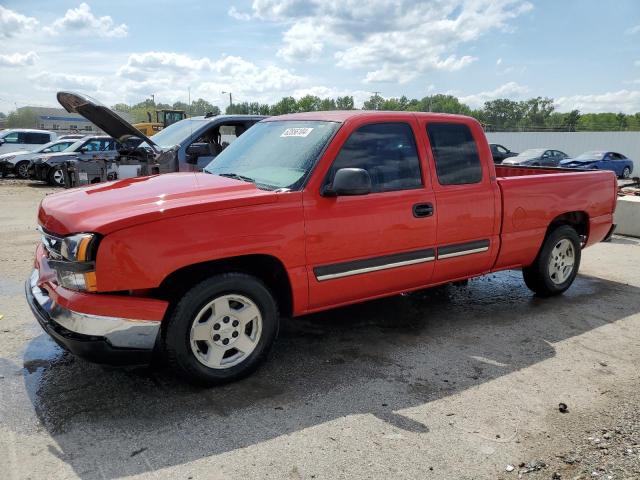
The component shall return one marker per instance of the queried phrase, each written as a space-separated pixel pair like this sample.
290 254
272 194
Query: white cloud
13 23
392 40
626 101
633 30
170 74
303 41
50 81
508 90
18 59
82 20
233 12
499 61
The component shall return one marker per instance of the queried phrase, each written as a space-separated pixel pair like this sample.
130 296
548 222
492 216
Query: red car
302 213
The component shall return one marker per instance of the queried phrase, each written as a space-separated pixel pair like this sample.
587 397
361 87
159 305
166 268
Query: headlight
8 159
73 259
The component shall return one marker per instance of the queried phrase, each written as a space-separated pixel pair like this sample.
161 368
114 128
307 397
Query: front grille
52 245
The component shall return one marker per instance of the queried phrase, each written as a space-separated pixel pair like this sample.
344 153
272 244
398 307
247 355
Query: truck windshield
176 133
274 155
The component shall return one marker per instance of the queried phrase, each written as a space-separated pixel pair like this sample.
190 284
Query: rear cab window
455 154
387 151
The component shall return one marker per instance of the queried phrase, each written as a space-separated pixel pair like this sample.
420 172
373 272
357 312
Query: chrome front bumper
85 334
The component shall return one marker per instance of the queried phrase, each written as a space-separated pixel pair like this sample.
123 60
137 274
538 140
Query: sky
584 54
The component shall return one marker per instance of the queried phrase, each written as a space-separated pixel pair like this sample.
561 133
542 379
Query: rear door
374 244
467 199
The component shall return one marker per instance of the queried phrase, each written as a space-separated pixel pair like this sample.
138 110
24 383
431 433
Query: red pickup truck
302 213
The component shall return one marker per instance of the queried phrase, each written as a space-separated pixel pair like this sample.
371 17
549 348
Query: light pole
230 100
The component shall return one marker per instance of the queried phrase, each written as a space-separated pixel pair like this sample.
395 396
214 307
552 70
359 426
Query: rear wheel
626 172
22 169
221 329
56 177
557 264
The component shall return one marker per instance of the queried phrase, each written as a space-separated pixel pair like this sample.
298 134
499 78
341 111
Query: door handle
422 210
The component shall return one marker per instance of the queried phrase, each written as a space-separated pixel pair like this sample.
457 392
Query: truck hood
574 162
105 118
112 206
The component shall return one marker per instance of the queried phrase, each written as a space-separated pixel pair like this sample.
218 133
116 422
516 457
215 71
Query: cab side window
455 154
387 151
11 138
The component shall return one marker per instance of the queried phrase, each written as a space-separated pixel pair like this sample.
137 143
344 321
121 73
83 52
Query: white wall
573 143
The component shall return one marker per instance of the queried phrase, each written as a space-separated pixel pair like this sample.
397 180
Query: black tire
626 172
21 169
537 276
177 333
54 174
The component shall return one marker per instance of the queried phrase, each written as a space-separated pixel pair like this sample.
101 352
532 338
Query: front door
368 245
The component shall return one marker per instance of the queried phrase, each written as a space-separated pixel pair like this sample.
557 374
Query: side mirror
47 150
2 140
82 150
196 150
349 181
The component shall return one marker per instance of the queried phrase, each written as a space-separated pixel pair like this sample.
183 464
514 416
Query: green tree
375 102
308 103
22 118
344 103
285 105
202 107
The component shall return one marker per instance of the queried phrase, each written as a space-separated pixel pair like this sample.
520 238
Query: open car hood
102 116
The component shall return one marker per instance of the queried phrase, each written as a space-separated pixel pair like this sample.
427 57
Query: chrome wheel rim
561 261
226 331
23 170
626 172
58 177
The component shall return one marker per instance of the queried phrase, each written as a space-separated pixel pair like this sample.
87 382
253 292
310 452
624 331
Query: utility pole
230 100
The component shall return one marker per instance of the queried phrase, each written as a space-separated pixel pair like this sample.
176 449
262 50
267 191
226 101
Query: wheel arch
578 219
267 268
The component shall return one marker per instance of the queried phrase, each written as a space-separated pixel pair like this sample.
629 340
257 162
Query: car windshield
42 148
595 155
532 153
278 154
76 145
177 133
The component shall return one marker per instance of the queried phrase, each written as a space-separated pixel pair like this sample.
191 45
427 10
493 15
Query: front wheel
56 177
221 329
626 172
22 169
556 266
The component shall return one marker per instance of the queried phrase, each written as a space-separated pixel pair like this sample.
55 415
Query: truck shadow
369 359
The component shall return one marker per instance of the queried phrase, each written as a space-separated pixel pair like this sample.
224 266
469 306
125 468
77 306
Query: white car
18 162
15 139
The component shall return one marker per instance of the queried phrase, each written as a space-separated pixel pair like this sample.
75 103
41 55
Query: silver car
18 162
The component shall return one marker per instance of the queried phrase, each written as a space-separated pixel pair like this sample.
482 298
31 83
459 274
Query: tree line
502 114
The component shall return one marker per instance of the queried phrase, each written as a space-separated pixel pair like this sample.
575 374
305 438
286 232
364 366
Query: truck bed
534 197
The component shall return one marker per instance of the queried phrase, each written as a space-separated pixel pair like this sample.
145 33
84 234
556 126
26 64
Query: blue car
601 160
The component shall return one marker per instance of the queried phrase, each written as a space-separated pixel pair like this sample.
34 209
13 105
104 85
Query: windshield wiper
235 176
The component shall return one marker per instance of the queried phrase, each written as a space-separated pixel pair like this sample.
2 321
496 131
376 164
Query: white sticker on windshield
296 132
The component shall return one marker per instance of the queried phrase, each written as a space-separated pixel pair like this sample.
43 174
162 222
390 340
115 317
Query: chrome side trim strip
374 269
119 332
463 252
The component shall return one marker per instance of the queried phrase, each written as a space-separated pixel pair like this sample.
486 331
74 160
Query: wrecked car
185 146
